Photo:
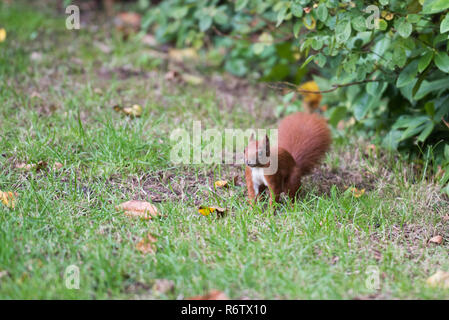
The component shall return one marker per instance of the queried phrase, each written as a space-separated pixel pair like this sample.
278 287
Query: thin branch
294 87
445 122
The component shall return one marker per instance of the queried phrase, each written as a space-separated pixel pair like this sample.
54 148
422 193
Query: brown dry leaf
439 279
445 218
147 244
8 198
205 211
181 55
212 295
128 21
437 239
221 184
163 285
172 75
28 166
137 208
57 166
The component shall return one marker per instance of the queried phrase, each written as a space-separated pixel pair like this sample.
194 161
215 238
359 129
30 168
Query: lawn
58 89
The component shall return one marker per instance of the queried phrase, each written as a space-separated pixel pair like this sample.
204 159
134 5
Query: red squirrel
303 139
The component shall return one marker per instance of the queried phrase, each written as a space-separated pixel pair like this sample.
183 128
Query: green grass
317 248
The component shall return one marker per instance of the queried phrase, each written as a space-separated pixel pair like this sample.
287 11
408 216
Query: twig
447 124
334 86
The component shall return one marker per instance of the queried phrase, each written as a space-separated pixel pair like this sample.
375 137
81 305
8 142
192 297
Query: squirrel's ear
267 142
251 138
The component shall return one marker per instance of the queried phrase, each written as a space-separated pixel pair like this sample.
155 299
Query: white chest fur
258 179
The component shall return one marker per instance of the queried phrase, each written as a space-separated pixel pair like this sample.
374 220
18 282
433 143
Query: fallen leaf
4 273
137 208
172 75
439 279
28 166
57 166
128 21
147 244
191 79
437 239
8 198
2 34
221 184
357 193
36 56
98 91
370 148
235 179
134 111
149 40
103 47
180 55
212 295
163 285
205 211
445 218
387 15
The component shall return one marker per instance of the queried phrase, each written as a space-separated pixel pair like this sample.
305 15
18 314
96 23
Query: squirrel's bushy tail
307 137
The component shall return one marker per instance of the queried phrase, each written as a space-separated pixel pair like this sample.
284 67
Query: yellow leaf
8 199
134 111
192 79
357 193
221 184
310 97
205 211
179 55
312 24
2 34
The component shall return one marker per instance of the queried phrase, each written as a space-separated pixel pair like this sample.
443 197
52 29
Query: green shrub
399 66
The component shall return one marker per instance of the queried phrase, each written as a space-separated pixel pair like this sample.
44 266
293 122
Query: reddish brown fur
307 137
303 139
